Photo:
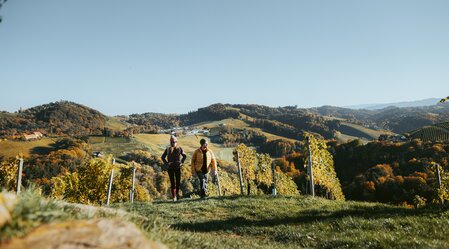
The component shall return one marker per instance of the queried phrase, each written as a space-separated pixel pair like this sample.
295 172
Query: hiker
173 153
202 160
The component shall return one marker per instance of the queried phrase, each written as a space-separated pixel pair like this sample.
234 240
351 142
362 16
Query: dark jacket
173 156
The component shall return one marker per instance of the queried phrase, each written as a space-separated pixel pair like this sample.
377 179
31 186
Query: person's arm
192 163
164 156
213 162
184 156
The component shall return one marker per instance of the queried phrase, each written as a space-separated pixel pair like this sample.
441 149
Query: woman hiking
172 157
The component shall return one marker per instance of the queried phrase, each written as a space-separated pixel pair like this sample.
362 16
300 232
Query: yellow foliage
323 167
8 174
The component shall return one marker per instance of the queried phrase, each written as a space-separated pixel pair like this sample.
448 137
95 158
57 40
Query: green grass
299 222
116 146
115 124
256 222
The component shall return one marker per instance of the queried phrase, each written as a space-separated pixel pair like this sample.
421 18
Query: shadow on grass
307 217
42 150
197 199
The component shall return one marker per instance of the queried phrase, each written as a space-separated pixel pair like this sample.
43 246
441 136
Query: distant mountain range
416 103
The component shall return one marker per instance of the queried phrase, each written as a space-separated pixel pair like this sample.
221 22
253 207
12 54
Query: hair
202 141
173 139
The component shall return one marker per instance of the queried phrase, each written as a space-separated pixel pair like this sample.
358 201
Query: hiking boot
175 199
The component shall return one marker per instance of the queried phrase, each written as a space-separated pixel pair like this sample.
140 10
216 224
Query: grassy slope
360 131
115 146
283 222
156 143
258 222
342 138
13 148
115 123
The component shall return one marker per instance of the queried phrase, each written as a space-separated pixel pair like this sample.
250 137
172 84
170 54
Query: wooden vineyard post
19 175
438 175
310 167
273 189
110 187
218 182
240 173
132 187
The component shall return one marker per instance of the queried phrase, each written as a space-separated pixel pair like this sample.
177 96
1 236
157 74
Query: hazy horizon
369 106
175 57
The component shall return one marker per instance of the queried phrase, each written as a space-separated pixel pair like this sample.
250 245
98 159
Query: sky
177 56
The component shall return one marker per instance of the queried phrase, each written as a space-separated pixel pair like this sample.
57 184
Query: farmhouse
34 136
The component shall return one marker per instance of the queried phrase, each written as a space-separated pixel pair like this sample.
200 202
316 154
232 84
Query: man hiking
173 153
202 160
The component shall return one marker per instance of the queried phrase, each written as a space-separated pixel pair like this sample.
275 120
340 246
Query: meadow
255 222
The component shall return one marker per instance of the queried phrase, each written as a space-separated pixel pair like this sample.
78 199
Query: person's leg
171 175
203 184
178 181
200 176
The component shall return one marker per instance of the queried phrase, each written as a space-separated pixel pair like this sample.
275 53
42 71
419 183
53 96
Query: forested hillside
288 121
58 118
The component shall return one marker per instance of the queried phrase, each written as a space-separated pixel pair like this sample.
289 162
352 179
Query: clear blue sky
123 57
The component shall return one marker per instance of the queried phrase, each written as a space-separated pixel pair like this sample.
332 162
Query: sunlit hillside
26 148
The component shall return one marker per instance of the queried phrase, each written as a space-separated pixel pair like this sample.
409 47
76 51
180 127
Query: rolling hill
394 119
280 123
123 134
58 118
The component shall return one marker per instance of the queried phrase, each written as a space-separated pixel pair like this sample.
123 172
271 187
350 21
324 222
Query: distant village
186 131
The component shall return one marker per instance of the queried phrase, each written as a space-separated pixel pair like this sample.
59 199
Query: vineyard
434 133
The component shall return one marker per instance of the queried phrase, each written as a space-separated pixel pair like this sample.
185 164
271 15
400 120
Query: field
342 138
114 123
27 148
257 222
360 131
115 146
156 143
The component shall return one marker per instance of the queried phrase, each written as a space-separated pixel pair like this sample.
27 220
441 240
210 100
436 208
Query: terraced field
436 133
